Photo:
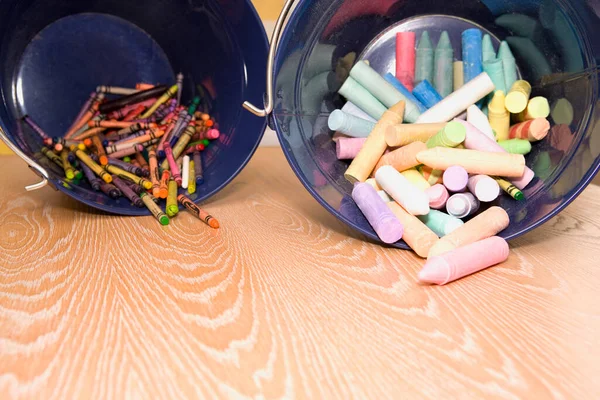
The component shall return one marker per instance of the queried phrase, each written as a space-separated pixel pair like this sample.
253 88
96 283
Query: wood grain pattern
283 302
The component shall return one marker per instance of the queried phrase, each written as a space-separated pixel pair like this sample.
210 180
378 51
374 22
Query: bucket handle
38 169
269 103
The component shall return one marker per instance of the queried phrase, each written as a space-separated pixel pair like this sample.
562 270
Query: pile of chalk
433 146
141 144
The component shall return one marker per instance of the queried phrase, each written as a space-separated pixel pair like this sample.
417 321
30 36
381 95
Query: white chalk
479 120
410 197
353 109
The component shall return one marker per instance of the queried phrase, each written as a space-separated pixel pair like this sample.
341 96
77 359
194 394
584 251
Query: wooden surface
283 302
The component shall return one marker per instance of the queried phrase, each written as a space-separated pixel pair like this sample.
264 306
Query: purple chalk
348 148
382 219
456 179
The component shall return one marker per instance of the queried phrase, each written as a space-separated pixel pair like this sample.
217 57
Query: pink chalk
456 179
464 261
438 196
405 58
380 216
348 148
477 140
484 188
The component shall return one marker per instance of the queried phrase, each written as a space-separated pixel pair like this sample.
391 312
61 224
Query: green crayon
511 189
155 210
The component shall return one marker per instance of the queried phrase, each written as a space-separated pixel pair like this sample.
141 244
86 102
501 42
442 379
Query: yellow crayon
192 181
161 100
499 116
172 207
145 183
69 170
97 169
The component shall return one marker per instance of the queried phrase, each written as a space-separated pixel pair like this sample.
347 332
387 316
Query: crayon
416 234
192 178
444 60
126 166
510 64
370 154
348 148
464 261
478 119
163 191
402 89
401 159
456 179
499 116
405 58
120 113
458 75
36 128
116 90
146 184
349 124
533 130
472 53
438 196
161 100
387 226
100 150
175 172
538 107
128 151
487 49
458 101
516 146
97 169
487 224
199 168
362 98
89 114
154 173
486 189
133 114
143 163
172 209
155 210
451 135
137 189
198 212
127 191
94 181
410 197
110 190
517 98
179 88
461 205
426 94
404 134
474 161
424 59
510 189
416 179
180 146
52 156
441 223
384 91
86 106
185 172
89 133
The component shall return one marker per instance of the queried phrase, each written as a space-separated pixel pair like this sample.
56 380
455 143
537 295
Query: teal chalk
384 91
495 69
349 125
362 98
443 80
537 63
424 59
487 48
509 63
441 223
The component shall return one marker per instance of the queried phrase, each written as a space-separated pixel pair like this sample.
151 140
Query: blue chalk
402 89
426 94
472 41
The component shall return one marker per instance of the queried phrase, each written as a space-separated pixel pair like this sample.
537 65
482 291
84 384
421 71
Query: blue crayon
472 42
402 89
426 94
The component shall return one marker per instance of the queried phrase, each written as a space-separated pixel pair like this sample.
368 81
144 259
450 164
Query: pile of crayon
142 144
425 157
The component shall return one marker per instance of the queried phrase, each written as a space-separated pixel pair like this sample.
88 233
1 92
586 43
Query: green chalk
487 48
424 59
382 90
453 134
516 146
441 223
443 81
362 98
495 69
510 64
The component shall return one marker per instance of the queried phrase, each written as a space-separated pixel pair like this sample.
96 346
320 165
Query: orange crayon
100 150
86 117
110 124
198 212
163 190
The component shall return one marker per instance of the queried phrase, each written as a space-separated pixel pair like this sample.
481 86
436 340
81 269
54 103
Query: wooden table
284 301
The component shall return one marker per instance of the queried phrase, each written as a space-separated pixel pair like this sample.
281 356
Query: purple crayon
110 190
382 219
127 191
175 172
46 139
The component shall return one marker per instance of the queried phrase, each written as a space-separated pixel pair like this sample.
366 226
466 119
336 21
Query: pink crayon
464 261
405 58
456 179
382 219
484 188
477 140
348 148
211 134
127 151
438 196
175 171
